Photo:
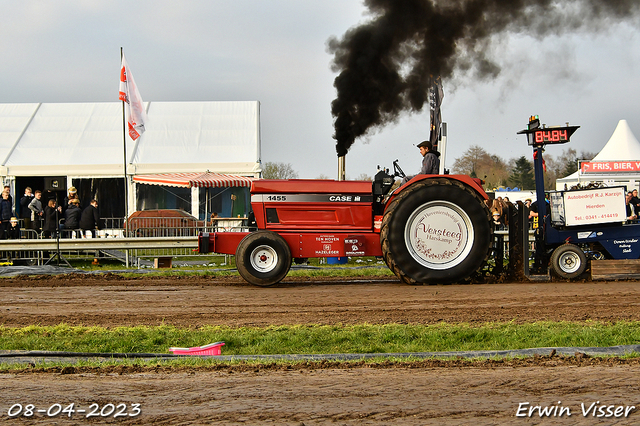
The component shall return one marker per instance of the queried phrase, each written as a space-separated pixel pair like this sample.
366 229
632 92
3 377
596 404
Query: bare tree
477 162
273 170
554 170
364 176
471 160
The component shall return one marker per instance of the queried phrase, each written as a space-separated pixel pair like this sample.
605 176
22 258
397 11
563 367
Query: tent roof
622 145
87 139
189 180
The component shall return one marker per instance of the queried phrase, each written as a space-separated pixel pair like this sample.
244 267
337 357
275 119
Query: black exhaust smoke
387 64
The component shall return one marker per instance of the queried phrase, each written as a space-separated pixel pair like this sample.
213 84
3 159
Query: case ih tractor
434 229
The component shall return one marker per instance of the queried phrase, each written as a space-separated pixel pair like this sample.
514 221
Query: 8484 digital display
551 136
537 135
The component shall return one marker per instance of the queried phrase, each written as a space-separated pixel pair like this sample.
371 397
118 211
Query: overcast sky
275 52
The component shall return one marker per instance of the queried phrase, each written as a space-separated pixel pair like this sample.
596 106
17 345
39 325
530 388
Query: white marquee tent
617 163
85 140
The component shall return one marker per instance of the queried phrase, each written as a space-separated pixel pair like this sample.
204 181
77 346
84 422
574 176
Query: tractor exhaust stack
342 168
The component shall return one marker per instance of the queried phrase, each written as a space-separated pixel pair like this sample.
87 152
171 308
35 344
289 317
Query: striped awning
195 179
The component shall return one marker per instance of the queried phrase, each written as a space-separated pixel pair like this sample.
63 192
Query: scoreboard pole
538 171
538 137
543 221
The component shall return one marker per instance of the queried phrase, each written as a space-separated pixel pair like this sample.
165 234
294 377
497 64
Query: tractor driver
430 161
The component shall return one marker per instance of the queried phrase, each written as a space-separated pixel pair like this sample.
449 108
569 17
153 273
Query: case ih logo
355 198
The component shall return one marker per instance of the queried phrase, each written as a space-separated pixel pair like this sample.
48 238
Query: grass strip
217 264
298 339
365 272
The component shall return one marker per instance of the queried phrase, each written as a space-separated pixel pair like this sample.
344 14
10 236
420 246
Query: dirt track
427 394
112 301
353 396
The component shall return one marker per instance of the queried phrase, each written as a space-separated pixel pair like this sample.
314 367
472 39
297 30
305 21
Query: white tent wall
14 119
181 132
85 140
63 139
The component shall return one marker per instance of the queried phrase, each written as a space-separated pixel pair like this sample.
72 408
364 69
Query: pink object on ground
210 349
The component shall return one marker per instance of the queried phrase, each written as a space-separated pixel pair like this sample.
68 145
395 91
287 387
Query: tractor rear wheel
437 231
568 261
263 258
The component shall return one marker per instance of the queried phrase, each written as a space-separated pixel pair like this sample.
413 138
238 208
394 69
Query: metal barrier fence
504 236
101 241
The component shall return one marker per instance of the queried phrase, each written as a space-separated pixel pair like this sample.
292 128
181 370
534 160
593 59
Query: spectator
7 189
504 203
25 212
533 212
72 216
90 219
5 214
72 195
213 219
51 215
498 222
497 205
13 233
527 204
632 213
635 200
38 213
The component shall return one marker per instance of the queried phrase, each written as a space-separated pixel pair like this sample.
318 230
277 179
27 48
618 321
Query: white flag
134 108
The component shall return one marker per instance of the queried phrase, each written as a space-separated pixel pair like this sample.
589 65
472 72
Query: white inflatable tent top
621 146
86 139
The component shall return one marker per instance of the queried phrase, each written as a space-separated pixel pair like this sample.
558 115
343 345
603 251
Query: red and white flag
134 108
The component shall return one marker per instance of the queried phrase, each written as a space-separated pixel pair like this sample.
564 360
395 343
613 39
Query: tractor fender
473 183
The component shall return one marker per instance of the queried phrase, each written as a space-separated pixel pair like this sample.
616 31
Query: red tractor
435 229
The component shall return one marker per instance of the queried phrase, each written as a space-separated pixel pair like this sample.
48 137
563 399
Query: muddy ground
454 392
190 301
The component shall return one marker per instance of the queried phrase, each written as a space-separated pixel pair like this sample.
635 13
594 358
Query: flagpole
124 142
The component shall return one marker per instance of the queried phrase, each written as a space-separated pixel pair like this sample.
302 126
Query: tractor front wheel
263 258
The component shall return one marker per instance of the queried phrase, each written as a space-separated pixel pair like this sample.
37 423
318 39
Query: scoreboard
538 136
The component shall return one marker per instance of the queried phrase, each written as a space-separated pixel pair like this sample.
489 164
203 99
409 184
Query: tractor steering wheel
397 171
